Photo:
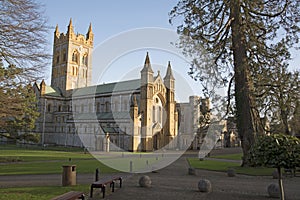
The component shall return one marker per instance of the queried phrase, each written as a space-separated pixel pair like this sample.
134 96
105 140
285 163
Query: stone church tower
146 105
157 107
72 57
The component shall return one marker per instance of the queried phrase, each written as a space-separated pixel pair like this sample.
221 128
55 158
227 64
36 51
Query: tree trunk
284 119
280 183
247 117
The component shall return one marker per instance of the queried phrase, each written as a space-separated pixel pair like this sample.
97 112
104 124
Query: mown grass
223 166
48 167
39 161
39 193
10 154
237 156
17 161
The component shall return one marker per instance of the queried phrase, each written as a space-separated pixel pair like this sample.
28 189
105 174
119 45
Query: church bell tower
72 57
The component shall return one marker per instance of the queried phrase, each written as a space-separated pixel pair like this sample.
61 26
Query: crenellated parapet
60 38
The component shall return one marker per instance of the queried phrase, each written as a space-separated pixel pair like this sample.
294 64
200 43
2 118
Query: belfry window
75 57
57 59
64 56
85 60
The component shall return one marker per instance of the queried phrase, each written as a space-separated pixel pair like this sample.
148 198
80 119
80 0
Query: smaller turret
147 72
56 32
89 34
42 88
70 28
169 78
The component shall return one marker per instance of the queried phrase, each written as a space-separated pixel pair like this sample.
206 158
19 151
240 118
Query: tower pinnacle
147 65
70 27
169 74
89 34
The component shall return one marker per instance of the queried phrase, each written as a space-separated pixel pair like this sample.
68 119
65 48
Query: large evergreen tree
239 37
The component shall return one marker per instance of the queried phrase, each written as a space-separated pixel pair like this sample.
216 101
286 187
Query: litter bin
69 175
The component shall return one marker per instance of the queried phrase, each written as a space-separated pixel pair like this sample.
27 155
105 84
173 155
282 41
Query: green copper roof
131 85
50 91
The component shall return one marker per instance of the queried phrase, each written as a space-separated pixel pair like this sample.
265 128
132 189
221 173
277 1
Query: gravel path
173 182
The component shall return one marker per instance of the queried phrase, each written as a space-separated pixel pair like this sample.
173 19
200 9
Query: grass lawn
224 166
237 156
16 160
10 154
55 167
39 193
39 161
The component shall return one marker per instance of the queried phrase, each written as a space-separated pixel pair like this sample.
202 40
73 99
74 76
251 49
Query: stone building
133 115
192 122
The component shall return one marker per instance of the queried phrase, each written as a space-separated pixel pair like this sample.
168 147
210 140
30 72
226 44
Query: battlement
60 38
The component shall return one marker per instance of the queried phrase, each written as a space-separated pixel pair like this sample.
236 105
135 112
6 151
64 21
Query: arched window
49 107
107 106
125 105
75 56
57 59
102 107
116 106
157 110
84 60
90 107
82 108
98 107
64 56
159 115
59 108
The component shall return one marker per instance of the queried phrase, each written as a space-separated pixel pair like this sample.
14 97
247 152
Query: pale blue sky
116 25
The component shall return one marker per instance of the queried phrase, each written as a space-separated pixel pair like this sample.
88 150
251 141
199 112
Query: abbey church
133 115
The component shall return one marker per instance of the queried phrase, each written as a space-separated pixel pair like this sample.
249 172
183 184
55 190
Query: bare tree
23 56
277 94
23 40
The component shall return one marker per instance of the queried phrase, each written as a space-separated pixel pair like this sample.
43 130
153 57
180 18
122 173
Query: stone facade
190 133
134 115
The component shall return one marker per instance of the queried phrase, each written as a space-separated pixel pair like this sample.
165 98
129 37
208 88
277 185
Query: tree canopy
276 151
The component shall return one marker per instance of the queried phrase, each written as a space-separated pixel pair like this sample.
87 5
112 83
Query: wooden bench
103 182
72 195
292 172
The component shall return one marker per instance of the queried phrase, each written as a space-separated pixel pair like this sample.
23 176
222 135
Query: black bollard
97 175
130 166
